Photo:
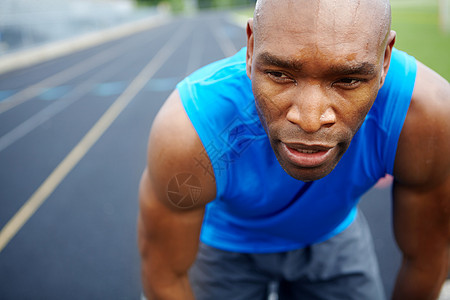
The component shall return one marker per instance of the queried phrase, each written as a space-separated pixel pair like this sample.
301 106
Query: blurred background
27 23
80 84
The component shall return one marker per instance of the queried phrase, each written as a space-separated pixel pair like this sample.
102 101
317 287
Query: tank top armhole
400 79
206 134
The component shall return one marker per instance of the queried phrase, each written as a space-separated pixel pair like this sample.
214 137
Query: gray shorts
344 267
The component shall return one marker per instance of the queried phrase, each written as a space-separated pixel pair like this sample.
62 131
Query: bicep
173 193
166 236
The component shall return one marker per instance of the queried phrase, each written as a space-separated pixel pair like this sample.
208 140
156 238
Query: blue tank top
259 207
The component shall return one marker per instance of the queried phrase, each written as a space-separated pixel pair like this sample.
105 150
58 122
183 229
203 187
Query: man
263 157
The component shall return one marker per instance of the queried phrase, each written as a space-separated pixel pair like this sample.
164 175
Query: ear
250 44
387 56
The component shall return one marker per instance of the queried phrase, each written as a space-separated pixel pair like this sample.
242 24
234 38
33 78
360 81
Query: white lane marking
54 93
94 134
64 76
29 57
225 43
53 109
61 77
196 52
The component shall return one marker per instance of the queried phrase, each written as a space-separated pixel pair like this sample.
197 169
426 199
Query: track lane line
29 57
225 43
58 106
195 55
79 151
63 76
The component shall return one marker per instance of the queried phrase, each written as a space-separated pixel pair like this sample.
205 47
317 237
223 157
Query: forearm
161 279
422 231
168 244
164 273
420 280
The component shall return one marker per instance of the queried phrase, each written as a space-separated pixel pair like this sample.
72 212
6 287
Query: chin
306 175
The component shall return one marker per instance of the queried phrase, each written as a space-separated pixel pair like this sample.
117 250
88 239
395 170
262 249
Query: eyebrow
270 59
364 68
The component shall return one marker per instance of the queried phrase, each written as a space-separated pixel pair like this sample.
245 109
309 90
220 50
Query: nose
311 109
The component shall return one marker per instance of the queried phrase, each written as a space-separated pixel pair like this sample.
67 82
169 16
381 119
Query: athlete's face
315 77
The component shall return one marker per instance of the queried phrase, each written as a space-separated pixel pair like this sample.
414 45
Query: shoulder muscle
173 170
422 155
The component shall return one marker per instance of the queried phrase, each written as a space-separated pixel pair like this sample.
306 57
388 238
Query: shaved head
343 18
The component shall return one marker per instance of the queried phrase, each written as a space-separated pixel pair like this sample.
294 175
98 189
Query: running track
73 134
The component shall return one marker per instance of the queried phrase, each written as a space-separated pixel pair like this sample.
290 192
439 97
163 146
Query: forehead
333 29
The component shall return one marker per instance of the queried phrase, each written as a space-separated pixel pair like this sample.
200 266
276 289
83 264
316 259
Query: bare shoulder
422 157
172 169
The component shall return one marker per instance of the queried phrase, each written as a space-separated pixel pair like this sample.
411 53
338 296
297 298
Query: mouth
307 156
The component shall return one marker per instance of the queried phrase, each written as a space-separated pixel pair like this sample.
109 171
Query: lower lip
306 160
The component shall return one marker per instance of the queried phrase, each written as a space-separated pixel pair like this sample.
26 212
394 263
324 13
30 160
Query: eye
279 77
276 74
348 83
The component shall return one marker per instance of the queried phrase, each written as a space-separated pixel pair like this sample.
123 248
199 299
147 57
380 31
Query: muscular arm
422 190
168 233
